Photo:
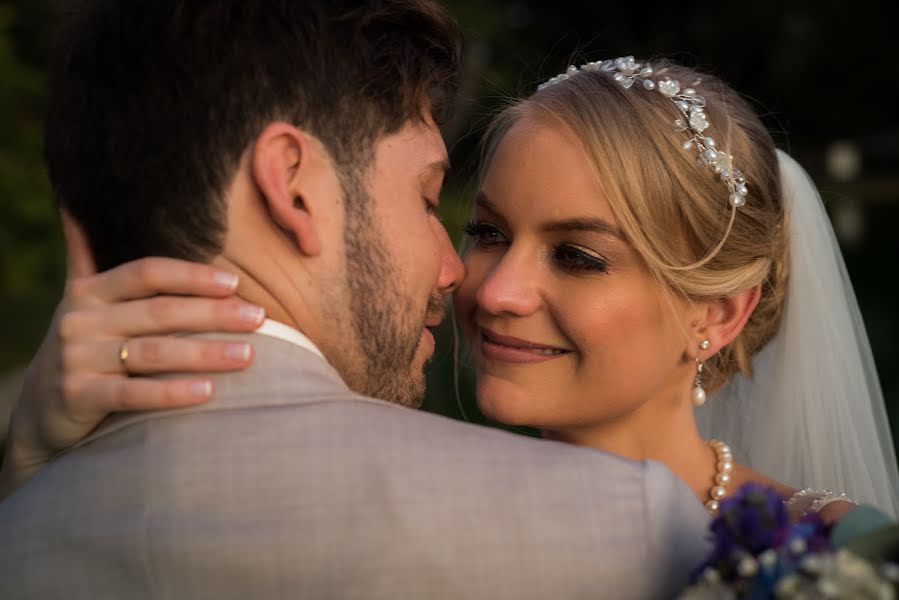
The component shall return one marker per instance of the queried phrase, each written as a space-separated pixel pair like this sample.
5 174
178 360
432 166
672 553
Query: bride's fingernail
253 314
226 280
201 389
240 352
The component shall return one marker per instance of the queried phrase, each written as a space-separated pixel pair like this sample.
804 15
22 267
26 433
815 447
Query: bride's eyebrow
587 224
483 203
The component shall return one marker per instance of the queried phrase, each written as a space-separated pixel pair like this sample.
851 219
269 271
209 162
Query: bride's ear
287 172
723 319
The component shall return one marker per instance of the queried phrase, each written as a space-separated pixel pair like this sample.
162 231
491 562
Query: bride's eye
484 234
574 260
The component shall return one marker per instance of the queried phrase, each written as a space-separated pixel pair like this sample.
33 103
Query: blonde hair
674 212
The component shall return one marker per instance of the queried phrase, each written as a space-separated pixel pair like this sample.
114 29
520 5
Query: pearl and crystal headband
693 121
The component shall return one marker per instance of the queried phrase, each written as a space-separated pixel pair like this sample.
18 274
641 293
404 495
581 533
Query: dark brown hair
153 103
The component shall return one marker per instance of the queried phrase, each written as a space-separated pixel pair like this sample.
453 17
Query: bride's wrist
836 509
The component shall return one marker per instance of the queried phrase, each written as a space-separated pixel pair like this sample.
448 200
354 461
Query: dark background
822 75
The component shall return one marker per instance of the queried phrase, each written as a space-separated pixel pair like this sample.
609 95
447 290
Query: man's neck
252 290
286 333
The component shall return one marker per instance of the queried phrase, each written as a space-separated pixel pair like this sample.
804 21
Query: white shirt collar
288 334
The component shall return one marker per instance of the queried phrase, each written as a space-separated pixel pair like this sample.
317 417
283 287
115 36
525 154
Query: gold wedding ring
123 356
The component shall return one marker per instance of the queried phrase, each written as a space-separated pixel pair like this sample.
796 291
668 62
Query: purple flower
757 549
814 532
754 519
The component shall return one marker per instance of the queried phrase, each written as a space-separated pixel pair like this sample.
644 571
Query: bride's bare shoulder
743 474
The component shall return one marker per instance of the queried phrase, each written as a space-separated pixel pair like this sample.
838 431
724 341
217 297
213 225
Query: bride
637 242
645 272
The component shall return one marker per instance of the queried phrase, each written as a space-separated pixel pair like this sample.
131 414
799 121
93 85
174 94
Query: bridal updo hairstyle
673 211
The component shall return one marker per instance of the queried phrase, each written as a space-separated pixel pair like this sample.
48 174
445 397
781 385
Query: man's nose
452 271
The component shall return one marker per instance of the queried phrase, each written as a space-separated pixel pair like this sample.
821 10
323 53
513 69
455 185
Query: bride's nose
511 287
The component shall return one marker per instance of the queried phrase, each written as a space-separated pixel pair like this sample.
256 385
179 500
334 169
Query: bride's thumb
79 259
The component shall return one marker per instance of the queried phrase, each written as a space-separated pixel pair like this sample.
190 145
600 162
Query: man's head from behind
292 140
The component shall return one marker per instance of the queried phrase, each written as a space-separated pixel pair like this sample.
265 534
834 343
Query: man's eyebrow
586 224
442 165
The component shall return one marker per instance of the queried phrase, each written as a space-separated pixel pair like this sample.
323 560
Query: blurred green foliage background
821 75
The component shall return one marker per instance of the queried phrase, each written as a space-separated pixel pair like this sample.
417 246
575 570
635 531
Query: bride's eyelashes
567 257
484 234
574 260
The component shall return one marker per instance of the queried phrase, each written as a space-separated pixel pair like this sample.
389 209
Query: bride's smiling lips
504 348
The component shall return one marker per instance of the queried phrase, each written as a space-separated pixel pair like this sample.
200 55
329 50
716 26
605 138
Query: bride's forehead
532 180
542 141
536 154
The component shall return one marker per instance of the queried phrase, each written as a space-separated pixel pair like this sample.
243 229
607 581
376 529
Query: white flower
838 575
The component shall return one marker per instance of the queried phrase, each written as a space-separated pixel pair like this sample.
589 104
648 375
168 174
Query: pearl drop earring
698 391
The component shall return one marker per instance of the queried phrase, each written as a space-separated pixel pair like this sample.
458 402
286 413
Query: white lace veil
813 413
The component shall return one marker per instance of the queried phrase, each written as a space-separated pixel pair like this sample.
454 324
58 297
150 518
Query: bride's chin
506 407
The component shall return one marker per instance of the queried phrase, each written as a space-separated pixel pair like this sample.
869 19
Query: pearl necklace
722 476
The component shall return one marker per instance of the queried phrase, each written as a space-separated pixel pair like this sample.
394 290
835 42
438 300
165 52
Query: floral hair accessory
693 119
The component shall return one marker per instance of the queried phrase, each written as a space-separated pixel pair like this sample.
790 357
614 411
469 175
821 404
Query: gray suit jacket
289 485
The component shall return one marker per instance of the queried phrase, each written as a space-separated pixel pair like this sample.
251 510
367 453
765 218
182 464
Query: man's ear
283 163
723 319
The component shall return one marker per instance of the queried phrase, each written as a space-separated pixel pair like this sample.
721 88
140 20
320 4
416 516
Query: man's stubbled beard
386 324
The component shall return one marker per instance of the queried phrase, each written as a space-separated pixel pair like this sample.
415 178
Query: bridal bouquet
758 553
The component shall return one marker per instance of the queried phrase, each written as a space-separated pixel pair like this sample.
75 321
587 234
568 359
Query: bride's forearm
24 453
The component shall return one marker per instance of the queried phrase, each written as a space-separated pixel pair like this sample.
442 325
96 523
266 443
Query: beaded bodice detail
808 501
